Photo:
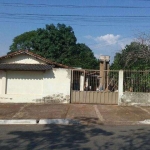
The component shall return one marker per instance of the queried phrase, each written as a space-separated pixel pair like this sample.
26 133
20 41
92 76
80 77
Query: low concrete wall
135 98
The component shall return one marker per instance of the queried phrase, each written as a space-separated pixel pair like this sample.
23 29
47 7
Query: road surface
74 137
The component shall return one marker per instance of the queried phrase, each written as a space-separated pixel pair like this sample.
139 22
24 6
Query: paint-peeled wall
51 86
56 86
135 98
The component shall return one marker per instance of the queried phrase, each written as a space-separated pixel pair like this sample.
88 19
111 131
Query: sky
106 26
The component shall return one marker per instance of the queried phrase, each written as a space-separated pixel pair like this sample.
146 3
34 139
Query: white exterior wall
57 81
24 82
2 82
36 87
22 59
56 85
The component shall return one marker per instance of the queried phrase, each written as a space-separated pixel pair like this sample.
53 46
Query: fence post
82 82
120 86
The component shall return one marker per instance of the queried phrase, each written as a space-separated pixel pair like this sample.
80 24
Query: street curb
66 122
40 121
145 122
58 121
18 121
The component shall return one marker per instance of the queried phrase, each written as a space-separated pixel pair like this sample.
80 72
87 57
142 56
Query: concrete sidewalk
85 113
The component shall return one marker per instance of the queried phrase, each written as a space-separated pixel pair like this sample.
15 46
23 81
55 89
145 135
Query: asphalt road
74 137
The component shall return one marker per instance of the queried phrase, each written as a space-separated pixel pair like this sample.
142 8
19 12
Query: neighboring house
29 78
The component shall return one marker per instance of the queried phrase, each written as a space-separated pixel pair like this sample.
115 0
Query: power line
70 6
89 20
80 24
75 18
84 25
119 21
145 0
90 16
80 19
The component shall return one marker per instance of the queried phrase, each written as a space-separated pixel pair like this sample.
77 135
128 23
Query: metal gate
93 86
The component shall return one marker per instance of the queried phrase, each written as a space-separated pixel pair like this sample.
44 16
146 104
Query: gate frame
88 92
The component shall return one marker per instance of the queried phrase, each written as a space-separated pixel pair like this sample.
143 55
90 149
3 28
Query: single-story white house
26 77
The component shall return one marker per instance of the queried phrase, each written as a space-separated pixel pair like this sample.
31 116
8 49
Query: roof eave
35 56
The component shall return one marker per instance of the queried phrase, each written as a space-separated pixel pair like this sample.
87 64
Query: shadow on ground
88 121
74 137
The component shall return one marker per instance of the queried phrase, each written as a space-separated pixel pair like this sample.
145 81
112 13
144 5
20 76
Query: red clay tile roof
47 61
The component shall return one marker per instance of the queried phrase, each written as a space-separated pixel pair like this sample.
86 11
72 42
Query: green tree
84 57
57 43
23 41
135 56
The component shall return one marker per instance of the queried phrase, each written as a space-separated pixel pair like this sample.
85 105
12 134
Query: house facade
29 78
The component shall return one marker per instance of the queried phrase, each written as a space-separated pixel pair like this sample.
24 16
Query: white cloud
107 44
108 38
109 41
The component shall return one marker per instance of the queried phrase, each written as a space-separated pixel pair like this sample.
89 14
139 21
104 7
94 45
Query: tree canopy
135 56
57 43
23 41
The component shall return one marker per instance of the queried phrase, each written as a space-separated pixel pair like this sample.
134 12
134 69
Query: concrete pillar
120 86
101 75
82 82
104 74
104 65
